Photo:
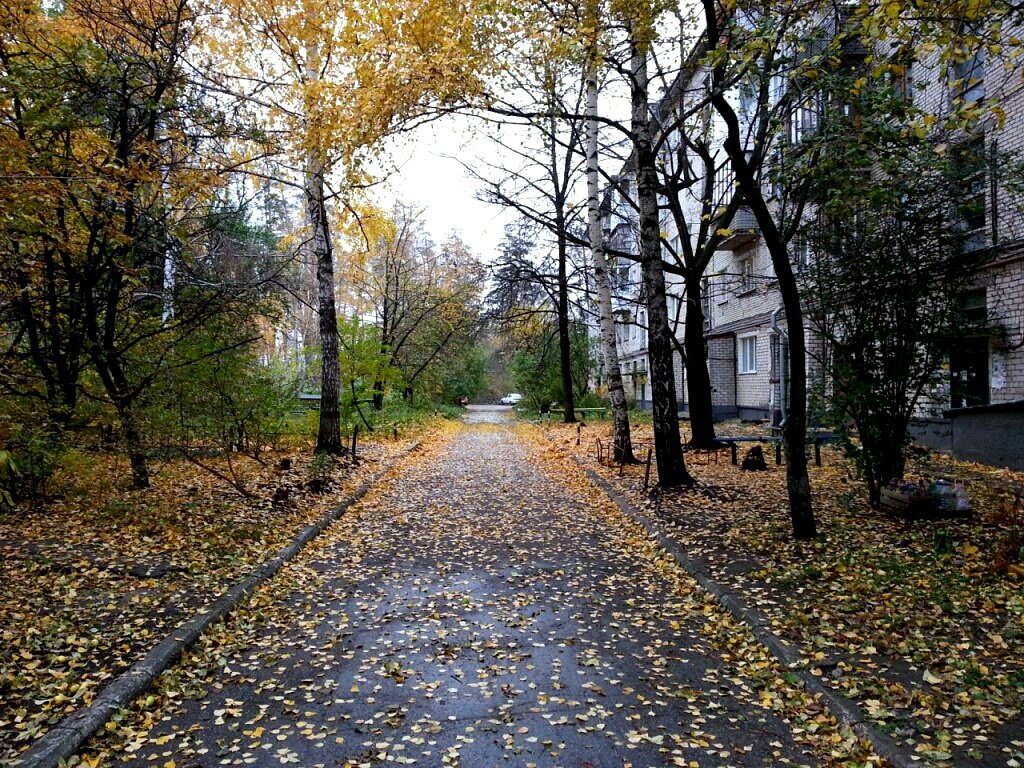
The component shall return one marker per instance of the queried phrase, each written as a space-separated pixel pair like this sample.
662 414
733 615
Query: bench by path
581 412
816 439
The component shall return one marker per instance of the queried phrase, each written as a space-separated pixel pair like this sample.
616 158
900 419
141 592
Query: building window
801 253
748 98
969 79
724 185
624 190
622 274
803 121
746 270
972 310
746 353
903 83
969 173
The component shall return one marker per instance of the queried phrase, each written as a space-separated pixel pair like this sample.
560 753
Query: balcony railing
841 27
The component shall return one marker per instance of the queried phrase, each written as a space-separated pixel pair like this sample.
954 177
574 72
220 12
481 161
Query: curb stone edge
845 711
65 738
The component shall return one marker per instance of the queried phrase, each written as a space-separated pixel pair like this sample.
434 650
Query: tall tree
129 181
424 297
541 161
622 438
667 441
742 44
332 80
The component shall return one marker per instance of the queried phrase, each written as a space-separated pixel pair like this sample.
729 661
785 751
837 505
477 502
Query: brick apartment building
977 409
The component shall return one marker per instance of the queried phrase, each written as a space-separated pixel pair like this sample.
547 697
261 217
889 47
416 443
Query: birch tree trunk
602 281
668 446
328 439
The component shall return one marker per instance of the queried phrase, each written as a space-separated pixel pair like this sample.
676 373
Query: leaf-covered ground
483 606
921 623
97 575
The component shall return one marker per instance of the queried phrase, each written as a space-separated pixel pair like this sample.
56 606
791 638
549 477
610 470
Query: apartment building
744 324
619 231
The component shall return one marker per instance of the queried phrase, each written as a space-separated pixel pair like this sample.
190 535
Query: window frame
747 281
971 172
968 84
804 119
742 340
801 251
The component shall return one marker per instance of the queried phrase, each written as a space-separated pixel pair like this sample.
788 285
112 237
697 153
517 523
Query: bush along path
482 606
919 625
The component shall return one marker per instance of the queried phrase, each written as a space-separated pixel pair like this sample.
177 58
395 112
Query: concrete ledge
67 737
844 710
847 712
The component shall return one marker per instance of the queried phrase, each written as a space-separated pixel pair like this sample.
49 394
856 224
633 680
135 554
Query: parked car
512 398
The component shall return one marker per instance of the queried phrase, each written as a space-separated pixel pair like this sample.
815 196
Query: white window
746 353
803 121
747 275
969 79
801 253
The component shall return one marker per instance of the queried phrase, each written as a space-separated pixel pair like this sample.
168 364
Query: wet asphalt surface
475 611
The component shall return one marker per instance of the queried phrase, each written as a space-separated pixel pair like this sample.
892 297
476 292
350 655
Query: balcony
742 231
838 31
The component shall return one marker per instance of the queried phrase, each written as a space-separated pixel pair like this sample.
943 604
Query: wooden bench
816 439
582 412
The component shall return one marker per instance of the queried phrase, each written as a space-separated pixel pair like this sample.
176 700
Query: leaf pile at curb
915 621
96 576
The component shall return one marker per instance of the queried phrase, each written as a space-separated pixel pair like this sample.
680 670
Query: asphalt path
478 609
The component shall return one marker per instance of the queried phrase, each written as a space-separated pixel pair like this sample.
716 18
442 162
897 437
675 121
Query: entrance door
968 364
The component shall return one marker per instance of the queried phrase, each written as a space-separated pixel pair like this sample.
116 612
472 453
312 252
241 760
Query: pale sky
431 178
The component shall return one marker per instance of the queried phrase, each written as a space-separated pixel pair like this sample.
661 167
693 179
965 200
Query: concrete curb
67 737
845 711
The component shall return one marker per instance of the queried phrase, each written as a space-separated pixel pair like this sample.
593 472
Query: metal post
578 428
647 471
778 452
355 438
817 453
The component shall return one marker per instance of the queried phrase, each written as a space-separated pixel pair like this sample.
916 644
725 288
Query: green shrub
27 460
224 402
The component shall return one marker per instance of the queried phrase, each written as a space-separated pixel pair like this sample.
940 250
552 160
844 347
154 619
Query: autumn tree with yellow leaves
108 152
423 298
331 80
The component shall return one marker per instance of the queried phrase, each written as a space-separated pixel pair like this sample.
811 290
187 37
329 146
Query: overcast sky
431 178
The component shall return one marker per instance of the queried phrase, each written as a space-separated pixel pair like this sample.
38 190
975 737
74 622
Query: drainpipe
783 341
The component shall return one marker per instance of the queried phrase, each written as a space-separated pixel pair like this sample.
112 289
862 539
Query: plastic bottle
961 501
